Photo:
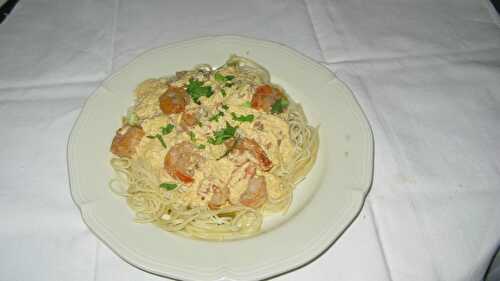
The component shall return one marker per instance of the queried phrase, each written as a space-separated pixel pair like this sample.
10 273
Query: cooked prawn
245 171
126 140
265 96
174 100
250 145
188 120
256 193
181 161
220 195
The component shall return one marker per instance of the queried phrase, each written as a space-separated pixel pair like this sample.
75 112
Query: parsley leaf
279 106
221 78
201 146
216 117
247 104
168 186
243 118
167 129
160 138
196 90
225 107
132 119
229 149
192 136
223 93
222 135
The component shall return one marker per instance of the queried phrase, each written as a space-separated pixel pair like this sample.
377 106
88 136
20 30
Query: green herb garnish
168 186
192 136
132 119
221 78
247 104
160 138
201 146
196 90
279 106
222 135
225 107
216 117
167 129
229 149
243 118
223 93
229 84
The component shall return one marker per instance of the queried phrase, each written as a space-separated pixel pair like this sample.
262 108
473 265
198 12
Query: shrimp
255 194
220 195
174 100
245 171
250 171
250 145
126 140
265 96
188 120
181 161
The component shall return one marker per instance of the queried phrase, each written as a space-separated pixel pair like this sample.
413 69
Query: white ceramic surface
324 204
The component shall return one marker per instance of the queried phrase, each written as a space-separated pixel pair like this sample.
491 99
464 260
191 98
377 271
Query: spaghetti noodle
208 153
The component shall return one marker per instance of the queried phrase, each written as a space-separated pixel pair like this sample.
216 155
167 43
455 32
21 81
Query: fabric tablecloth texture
426 73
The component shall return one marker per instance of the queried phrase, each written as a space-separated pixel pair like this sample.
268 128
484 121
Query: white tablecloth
427 74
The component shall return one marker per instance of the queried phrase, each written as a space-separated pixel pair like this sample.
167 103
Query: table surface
426 73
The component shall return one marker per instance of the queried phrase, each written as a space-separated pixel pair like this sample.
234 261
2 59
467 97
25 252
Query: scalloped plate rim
328 237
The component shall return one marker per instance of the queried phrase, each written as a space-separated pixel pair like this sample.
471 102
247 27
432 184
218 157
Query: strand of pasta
140 186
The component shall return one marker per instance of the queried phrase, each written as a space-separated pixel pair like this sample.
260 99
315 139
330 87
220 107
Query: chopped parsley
225 107
229 149
196 90
132 119
247 104
160 138
279 106
216 116
167 129
243 118
168 186
221 78
229 84
222 135
192 136
223 93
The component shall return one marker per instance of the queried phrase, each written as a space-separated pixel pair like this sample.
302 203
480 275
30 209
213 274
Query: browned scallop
174 100
126 140
265 96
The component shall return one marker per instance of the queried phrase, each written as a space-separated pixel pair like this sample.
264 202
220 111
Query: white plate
323 206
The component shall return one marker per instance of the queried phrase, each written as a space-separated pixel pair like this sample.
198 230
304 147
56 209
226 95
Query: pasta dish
209 152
